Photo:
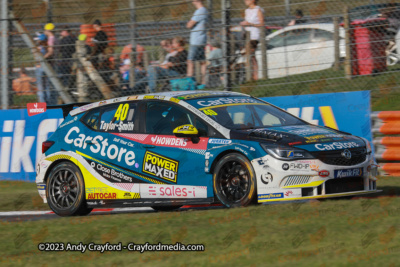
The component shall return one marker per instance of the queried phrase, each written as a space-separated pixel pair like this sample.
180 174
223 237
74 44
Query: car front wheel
234 181
65 190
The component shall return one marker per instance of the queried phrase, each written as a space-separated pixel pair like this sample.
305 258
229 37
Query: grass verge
355 232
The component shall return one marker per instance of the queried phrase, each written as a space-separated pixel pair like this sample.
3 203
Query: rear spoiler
66 108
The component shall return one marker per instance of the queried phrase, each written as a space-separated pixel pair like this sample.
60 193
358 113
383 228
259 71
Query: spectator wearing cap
67 49
50 57
299 18
100 41
198 38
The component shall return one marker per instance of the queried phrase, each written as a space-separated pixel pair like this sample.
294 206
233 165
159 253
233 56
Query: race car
171 149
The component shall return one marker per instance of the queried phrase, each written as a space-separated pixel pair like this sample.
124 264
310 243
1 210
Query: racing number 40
122 112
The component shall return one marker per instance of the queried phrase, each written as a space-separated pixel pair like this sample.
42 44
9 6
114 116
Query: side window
91 119
322 35
163 118
119 118
298 36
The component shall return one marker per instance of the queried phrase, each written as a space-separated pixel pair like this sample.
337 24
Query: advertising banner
349 111
21 136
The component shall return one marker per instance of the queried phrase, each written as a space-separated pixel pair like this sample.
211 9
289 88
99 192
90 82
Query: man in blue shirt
198 38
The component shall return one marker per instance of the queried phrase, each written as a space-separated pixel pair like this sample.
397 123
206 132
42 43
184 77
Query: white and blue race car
171 149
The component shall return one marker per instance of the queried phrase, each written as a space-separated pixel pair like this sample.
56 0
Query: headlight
286 153
367 144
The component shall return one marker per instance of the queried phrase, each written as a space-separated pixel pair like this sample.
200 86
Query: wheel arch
53 165
223 153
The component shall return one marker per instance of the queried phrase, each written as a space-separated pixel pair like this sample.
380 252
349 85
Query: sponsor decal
41 187
357 172
160 166
186 97
127 195
69 122
173 99
172 191
121 126
299 166
285 166
169 141
35 108
290 154
154 97
270 196
102 102
99 193
323 173
111 174
314 167
224 101
91 202
336 145
132 97
220 141
85 107
100 146
116 100
288 193
165 140
267 178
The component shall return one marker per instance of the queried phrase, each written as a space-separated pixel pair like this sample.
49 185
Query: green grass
358 232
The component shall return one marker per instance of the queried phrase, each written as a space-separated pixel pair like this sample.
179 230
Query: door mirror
188 131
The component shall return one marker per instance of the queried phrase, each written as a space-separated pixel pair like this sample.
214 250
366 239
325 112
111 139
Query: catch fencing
334 46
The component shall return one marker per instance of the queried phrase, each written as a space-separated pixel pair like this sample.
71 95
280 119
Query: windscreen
243 113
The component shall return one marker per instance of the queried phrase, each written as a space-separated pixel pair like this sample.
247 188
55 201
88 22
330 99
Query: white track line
44 212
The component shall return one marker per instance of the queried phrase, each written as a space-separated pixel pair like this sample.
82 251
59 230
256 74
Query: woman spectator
175 67
254 18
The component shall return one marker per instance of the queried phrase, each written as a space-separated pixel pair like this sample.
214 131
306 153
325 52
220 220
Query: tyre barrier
386 141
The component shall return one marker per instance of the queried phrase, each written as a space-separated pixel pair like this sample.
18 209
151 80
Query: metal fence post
49 11
348 63
132 7
4 54
263 47
336 39
287 8
210 10
226 20
248 58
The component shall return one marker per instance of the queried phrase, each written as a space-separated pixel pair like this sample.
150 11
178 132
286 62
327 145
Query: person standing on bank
100 41
254 18
198 39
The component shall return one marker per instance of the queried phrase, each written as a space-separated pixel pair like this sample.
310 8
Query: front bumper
279 180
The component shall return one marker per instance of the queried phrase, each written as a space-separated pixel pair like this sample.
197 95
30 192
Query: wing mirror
187 131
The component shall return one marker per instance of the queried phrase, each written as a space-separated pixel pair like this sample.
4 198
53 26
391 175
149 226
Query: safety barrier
386 131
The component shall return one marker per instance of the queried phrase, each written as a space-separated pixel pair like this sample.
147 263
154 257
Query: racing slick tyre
65 190
165 208
234 181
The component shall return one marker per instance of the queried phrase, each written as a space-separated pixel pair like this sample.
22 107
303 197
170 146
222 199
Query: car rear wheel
65 190
165 208
234 181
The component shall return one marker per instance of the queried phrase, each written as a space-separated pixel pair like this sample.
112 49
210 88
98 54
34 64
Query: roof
322 26
174 96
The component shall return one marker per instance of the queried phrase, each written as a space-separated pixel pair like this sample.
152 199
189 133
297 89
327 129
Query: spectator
24 85
215 64
50 57
100 41
41 79
254 18
67 49
169 49
198 39
299 18
215 56
127 50
176 66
